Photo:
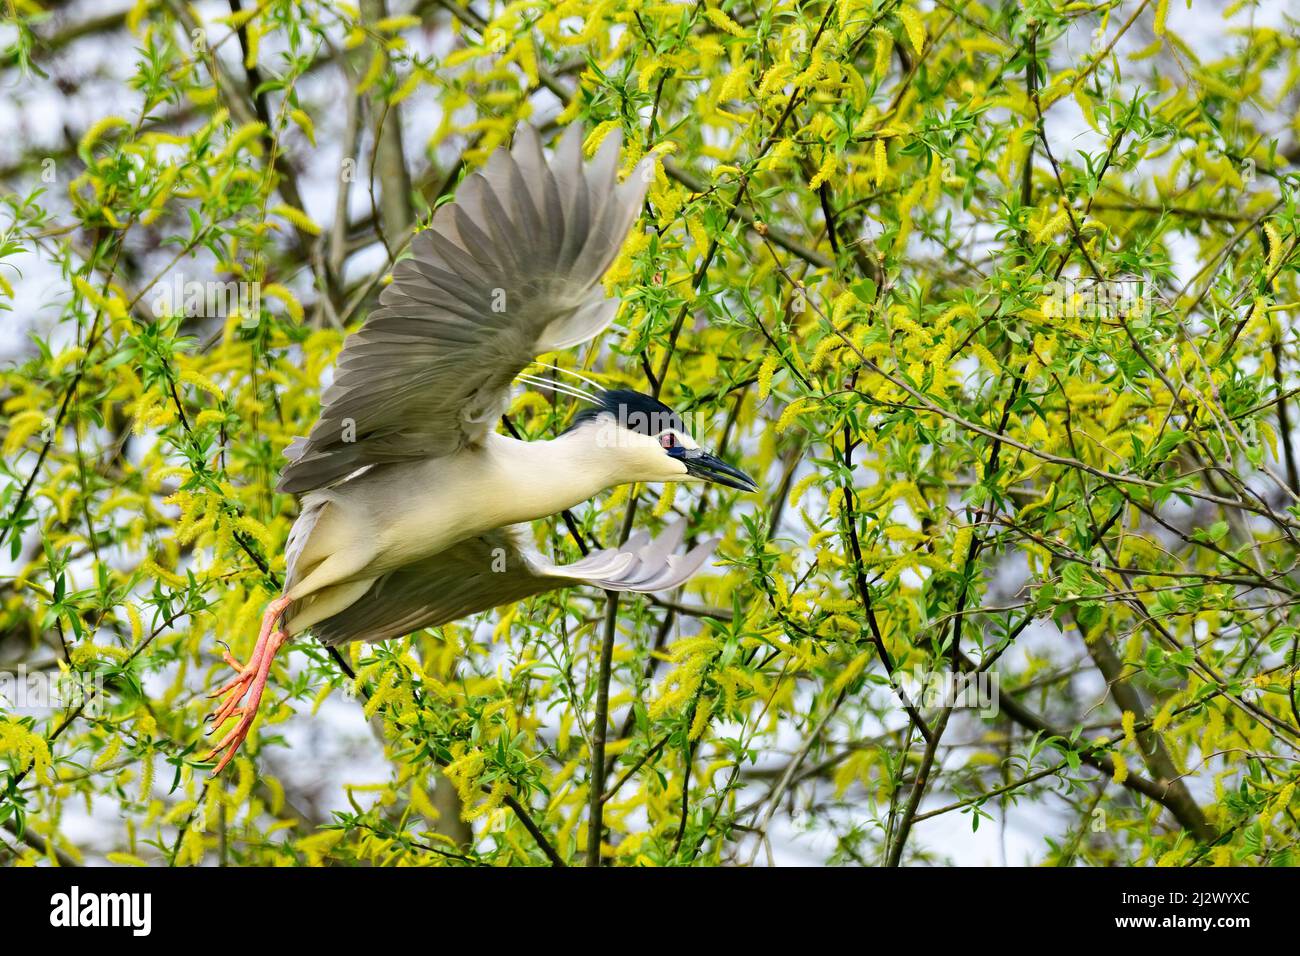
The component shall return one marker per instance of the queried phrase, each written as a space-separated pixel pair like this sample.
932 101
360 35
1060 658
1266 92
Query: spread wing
508 271
498 568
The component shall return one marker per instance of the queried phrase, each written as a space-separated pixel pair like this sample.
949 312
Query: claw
239 731
215 724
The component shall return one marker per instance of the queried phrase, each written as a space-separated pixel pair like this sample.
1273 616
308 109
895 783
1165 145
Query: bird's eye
668 440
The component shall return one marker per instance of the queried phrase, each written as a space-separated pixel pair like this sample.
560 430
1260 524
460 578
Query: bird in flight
414 509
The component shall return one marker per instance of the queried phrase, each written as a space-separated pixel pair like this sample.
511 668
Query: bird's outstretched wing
509 270
498 568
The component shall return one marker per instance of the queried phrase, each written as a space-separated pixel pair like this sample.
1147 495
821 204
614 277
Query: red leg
230 743
250 678
246 672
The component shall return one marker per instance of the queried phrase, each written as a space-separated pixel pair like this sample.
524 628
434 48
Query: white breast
411 511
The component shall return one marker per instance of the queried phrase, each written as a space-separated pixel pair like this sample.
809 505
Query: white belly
390 516
393 515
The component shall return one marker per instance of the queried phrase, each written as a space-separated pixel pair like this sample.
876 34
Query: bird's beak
714 469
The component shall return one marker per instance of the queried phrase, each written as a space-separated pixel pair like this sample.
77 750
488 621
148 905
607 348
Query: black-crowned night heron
414 508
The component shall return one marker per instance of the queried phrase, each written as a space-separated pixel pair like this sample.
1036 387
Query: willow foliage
997 300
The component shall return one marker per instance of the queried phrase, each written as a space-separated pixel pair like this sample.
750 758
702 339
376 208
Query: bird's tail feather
642 563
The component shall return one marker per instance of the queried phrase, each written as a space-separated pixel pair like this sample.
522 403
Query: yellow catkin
665 503
137 626
801 487
98 130
1052 226
1161 15
274 290
790 413
146 776
297 217
827 169
1121 768
765 373
108 753
254 35
724 23
960 546
884 47
1127 722
914 26
598 135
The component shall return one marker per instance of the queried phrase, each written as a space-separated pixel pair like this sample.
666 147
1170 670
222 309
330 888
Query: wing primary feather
425 373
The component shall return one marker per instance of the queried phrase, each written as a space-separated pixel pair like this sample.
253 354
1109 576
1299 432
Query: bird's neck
541 478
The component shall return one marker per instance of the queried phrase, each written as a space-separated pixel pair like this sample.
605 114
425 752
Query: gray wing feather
508 271
462 581
297 541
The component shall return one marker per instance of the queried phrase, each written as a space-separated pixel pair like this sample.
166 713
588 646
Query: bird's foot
248 685
249 681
